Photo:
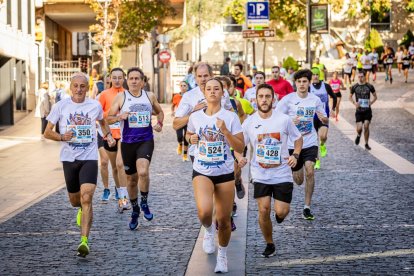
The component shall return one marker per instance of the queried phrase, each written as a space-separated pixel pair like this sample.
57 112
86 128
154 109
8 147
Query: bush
290 62
374 40
407 38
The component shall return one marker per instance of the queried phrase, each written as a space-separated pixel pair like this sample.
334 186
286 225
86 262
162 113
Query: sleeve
245 127
372 89
331 94
184 108
282 106
236 127
54 115
190 125
320 106
352 89
293 131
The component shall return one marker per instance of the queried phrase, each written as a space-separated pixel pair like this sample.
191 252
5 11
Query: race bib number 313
139 119
210 151
81 133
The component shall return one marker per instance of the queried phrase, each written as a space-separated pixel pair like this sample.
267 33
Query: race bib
305 112
406 62
363 102
210 151
139 119
335 86
116 125
268 154
305 115
390 60
82 134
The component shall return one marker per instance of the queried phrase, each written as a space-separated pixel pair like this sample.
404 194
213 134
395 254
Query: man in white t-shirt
76 117
366 60
250 93
269 131
301 107
194 99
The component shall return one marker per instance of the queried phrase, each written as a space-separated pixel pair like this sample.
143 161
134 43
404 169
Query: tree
407 38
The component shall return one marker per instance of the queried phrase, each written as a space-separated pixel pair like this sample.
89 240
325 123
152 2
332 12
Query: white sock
306 207
222 251
210 229
123 192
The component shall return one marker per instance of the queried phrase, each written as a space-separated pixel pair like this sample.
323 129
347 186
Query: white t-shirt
374 58
353 55
399 55
366 61
212 155
349 63
304 109
269 138
411 50
193 97
250 95
81 119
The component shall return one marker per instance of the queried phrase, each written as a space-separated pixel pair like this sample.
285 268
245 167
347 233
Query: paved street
364 211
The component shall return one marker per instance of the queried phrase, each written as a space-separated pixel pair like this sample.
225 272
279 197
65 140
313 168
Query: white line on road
386 156
330 259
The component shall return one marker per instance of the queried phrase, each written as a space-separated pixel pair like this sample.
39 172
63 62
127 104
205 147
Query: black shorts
348 74
406 67
114 148
132 152
281 191
79 172
100 141
362 116
367 70
360 70
307 154
338 94
317 124
216 179
354 68
374 68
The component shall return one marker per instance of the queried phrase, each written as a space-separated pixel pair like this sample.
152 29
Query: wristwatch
296 156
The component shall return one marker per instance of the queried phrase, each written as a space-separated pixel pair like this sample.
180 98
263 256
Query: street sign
164 56
258 33
257 14
319 18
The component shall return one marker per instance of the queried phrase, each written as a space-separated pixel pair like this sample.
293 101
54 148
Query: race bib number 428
81 133
268 154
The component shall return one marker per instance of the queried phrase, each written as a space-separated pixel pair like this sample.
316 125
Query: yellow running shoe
79 217
185 158
317 165
323 150
83 248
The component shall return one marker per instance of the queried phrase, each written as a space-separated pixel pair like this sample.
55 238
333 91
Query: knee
143 174
309 173
264 212
224 223
204 215
86 199
104 163
119 165
298 179
74 202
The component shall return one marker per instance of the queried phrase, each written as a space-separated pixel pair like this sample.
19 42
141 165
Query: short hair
261 73
118 69
136 69
265 86
225 79
239 65
79 74
276 67
304 73
233 80
228 59
203 64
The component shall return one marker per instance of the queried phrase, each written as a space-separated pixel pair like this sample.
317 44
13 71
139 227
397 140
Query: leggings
181 136
44 124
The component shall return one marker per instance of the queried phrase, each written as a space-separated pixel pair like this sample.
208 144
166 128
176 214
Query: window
381 21
230 26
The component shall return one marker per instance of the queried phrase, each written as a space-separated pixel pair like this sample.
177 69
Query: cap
315 71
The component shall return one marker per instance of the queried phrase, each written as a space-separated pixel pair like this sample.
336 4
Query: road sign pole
165 82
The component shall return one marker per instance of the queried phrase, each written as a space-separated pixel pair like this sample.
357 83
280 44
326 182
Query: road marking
386 156
341 258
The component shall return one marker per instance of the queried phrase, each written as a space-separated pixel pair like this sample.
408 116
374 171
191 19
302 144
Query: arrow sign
258 33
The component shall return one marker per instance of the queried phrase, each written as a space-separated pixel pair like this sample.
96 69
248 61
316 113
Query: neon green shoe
323 150
317 165
79 217
83 248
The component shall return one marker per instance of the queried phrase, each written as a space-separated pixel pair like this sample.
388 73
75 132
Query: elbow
175 125
47 134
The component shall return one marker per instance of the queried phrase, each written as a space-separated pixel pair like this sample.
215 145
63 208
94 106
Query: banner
319 18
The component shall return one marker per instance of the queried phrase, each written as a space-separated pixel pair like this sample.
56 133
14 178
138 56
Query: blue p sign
257 10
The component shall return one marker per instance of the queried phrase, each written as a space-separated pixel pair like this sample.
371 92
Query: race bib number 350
81 133
268 154
210 151
139 119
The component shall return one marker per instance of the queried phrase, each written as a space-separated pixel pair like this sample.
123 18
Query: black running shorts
80 172
281 191
134 151
100 141
307 154
362 116
216 179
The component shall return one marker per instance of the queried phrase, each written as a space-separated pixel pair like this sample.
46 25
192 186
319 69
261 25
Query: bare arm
180 122
297 149
53 135
158 110
374 99
115 108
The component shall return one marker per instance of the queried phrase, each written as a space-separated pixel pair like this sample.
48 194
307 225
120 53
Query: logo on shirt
256 127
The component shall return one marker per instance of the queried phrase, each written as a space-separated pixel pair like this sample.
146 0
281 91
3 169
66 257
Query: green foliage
409 5
374 40
236 9
115 60
139 17
290 62
407 38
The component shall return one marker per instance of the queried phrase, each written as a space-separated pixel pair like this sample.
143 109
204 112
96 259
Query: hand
332 113
199 106
221 125
111 141
194 139
157 127
320 115
296 120
123 116
67 136
357 105
242 162
292 161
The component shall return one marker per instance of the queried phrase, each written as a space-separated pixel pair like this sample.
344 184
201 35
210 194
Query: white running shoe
209 245
221 265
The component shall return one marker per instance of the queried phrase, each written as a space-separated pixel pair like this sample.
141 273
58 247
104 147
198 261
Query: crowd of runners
276 128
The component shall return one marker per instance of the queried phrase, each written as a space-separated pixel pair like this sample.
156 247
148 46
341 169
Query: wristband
160 123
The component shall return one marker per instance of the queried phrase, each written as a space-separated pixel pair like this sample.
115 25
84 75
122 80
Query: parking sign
257 14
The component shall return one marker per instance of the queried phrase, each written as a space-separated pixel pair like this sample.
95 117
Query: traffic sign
257 14
258 33
164 56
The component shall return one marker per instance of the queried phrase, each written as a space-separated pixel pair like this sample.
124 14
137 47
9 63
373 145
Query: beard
265 110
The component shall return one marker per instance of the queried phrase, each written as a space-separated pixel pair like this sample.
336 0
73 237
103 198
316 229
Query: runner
388 59
349 63
353 56
374 59
363 103
214 130
194 100
106 99
411 52
133 110
366 64
323 91
398 57
79 154
243 83
406 64
301 107
181 149
322 69
336 85
250 93
359 63
281 86
269 132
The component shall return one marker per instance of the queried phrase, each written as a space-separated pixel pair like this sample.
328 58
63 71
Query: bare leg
310 181
224 195
264 218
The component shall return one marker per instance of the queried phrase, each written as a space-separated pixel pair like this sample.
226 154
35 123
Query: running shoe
133 223
317 165
106 195
147 213
390 80
357 139
307 214
125 204
185 157
234 212
367 147
79 217
120 207
221 265
233 225
83 248
209 245
240 191
269 250
180 149
116 194
323 150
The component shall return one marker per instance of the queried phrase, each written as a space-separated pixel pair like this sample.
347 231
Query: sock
84 239
144 197
306 207
210 229
222 251
123 192
278 219
134 204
